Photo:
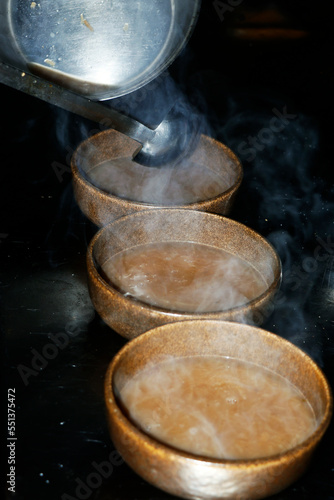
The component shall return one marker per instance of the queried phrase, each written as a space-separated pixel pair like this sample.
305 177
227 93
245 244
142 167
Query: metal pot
100 49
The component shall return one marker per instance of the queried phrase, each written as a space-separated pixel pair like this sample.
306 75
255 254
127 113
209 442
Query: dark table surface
55 347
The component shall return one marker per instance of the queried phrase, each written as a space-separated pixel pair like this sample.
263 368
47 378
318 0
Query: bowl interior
218 338
106 162
177 226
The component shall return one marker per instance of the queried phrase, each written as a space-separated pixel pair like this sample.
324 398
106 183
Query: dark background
241 66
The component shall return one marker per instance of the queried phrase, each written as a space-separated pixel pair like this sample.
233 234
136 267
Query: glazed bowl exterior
101 207
196 477
130 317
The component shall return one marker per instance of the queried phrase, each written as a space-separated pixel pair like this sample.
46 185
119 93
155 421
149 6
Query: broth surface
168 186
184 276
218 407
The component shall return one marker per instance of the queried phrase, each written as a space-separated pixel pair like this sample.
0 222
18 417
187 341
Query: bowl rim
112 197
154 443
130 299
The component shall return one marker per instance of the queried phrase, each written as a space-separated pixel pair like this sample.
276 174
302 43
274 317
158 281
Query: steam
281 195
280 148
189 182
204 173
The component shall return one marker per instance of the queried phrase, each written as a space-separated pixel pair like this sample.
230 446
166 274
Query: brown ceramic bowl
109 184
197 477
131 317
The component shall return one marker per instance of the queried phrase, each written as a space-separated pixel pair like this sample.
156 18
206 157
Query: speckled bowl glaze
130 317
196 477
101 207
